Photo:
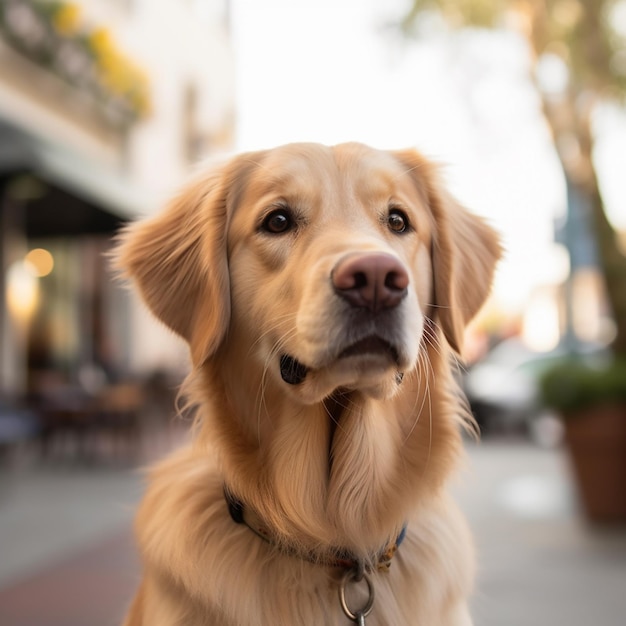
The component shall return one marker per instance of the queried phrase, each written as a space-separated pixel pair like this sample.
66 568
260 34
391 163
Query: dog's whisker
435 305
333 418
422 375
409 170
432 337
260 399
430 413
428 373
278 322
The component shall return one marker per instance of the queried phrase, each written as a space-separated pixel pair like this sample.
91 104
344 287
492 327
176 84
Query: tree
588 39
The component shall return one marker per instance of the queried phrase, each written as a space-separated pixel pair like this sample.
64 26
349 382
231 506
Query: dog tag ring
353 576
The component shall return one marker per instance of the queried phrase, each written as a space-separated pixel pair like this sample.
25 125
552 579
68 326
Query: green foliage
473 13
589 35
576 384
54 35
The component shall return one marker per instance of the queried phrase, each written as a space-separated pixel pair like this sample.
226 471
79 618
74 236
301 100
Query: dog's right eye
278 222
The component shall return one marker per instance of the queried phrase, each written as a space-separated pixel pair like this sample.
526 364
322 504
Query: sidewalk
68 557
540 564
93 587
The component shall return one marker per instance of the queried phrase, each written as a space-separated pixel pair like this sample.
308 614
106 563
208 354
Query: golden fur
346 456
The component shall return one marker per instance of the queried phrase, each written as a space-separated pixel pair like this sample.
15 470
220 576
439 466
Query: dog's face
323 265
329 250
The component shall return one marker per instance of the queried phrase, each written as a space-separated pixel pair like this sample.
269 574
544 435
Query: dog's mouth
370 345
293 372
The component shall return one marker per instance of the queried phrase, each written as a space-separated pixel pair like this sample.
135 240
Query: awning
74 195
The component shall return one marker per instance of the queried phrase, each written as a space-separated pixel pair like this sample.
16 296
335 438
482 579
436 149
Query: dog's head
325 266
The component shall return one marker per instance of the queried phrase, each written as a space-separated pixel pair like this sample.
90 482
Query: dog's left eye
278 221
397 221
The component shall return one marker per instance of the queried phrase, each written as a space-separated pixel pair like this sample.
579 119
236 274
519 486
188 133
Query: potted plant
591 398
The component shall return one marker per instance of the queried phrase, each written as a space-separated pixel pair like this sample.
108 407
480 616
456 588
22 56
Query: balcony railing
55 36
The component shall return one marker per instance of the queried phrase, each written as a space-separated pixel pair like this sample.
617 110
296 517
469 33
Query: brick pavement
90 588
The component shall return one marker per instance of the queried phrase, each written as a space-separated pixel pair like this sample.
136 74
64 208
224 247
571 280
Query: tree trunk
571 127
569 117
613 264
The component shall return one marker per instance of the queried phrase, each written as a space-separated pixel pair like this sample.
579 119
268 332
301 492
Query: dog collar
381 561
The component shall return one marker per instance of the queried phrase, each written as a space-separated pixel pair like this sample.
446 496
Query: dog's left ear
465 251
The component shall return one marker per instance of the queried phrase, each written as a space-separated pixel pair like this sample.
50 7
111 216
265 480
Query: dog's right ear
465 251
178 260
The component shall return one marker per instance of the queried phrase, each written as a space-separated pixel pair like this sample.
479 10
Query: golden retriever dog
322 292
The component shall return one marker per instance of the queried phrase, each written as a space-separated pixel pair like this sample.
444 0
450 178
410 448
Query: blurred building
104 106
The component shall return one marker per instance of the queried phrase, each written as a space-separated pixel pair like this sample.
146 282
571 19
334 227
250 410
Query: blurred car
503 390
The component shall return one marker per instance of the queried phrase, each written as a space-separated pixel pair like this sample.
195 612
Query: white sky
329 71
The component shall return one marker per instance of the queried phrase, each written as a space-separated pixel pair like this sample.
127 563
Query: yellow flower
101 41
66 20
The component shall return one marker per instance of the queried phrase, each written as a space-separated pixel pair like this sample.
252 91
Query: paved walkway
540 564
67 558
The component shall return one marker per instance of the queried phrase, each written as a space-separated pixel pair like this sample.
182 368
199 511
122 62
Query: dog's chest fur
206 560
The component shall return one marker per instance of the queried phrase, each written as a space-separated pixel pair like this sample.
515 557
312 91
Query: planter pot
596 438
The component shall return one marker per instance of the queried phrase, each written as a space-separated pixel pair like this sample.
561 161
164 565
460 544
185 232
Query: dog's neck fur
346 472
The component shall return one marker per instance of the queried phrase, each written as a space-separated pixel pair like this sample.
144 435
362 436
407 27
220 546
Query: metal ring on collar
348 577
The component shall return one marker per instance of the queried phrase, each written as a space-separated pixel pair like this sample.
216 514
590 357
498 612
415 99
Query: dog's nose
374 281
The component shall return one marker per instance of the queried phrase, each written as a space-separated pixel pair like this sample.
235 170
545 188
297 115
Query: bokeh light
40 261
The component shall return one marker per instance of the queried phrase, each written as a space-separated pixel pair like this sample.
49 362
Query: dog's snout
374 281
